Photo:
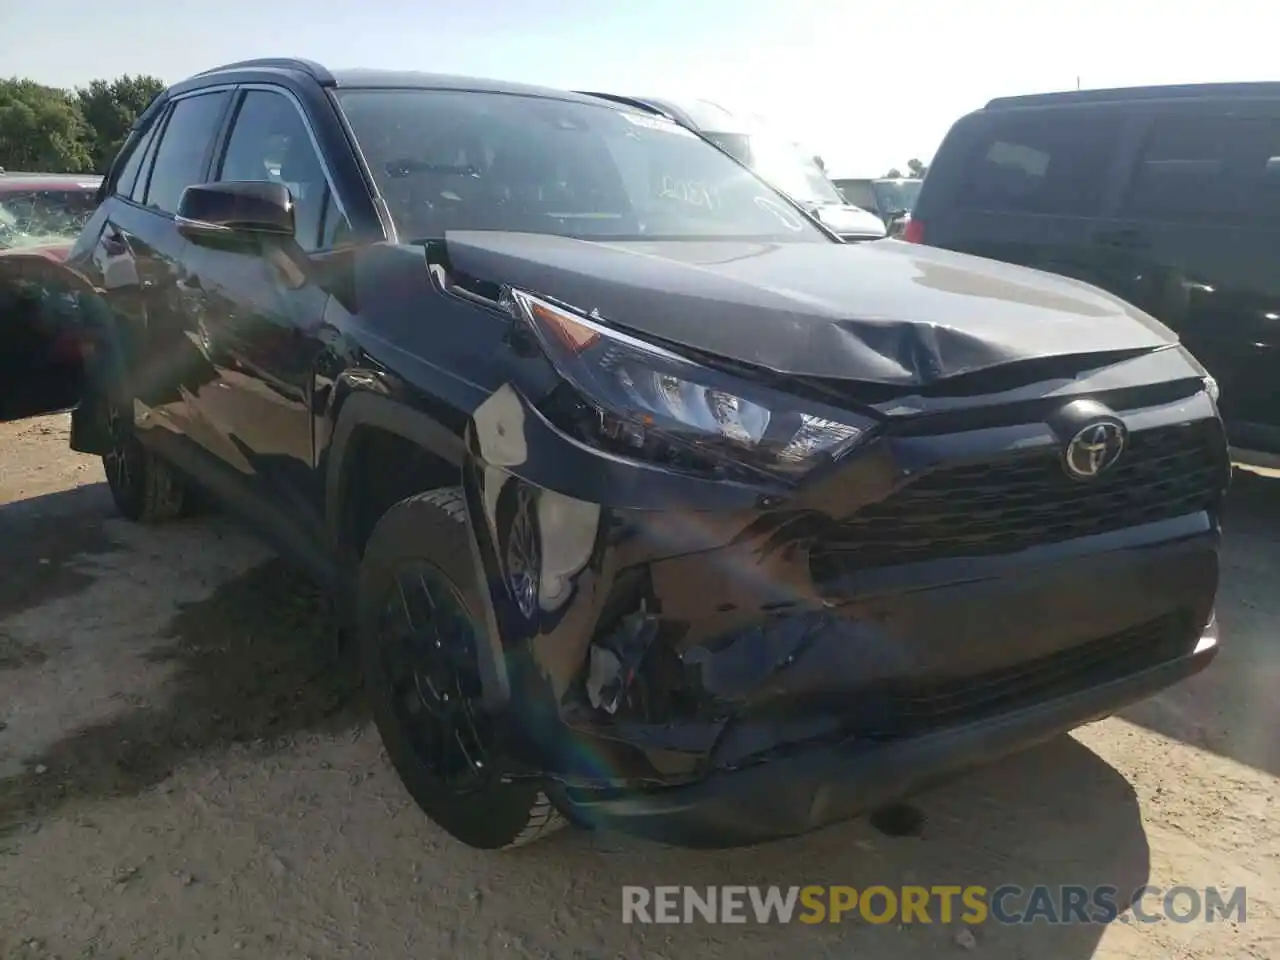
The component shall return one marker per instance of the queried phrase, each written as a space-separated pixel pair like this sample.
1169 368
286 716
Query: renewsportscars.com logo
944 904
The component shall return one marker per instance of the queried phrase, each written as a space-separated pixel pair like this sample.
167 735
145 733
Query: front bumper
791 795
786 684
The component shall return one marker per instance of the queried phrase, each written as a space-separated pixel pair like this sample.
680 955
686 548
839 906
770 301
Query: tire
429 532
145 488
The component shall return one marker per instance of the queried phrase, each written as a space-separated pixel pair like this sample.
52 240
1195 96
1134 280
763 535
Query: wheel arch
365 416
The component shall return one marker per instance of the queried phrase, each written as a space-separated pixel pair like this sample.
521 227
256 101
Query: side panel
1198 235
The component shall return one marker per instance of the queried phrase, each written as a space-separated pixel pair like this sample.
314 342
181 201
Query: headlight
645 401
1211 388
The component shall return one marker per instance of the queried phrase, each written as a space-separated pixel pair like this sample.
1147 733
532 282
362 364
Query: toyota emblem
1094 449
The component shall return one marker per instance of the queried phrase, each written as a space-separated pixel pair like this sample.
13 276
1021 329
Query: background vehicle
648 500
41 340
1166 196
890 199
778 161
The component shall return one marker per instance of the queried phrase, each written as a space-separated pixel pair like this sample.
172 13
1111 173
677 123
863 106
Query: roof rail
316 71
639 104
1179 91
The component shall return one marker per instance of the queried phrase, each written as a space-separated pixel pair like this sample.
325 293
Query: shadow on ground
38 538
254 662
1232 709
1056 815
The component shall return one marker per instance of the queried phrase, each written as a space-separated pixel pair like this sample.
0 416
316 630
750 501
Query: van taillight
913 232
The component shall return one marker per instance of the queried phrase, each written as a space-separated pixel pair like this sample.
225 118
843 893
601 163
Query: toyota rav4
649 503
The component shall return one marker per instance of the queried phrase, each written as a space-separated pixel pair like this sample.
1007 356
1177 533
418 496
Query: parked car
774 158
41 215
891 199
652 513
1166 196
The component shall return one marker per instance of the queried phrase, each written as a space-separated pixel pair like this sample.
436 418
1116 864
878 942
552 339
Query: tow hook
613 661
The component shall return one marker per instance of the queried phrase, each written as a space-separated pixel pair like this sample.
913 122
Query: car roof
1181 91
364 78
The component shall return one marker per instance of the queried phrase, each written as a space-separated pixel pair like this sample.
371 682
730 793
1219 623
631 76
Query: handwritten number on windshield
693 192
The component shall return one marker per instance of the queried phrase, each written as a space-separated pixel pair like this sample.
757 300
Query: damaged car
41 340
649 504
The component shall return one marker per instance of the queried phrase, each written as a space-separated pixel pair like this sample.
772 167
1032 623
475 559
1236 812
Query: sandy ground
184 772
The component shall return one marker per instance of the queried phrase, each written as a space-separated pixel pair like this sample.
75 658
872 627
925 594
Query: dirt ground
185 772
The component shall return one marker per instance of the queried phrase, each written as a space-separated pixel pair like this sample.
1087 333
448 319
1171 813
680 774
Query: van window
1182 170
1265 198
1208 167
859 193
1048 163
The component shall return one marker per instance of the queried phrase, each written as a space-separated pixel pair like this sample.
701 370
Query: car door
136 260
1197 235
259 309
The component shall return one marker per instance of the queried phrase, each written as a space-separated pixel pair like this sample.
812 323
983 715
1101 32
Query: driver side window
269 141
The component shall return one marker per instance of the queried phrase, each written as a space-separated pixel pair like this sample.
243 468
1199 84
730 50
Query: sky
866 86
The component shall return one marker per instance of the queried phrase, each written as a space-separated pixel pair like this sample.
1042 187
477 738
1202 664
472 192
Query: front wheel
421 623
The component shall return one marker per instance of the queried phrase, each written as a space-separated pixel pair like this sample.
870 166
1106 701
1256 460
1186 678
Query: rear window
1208 168
33 218
858 192
1048 162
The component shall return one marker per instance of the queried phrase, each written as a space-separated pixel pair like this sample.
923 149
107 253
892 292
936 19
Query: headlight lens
644 400
1211 387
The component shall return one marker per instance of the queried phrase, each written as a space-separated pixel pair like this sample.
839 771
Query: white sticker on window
656 123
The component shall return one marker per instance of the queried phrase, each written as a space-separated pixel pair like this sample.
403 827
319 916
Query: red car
41 344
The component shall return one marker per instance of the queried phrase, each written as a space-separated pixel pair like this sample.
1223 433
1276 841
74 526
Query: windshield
787 167
463 160
34 218
897 196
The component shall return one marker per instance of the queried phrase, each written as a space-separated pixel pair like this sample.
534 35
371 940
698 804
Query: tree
915 169
41 128
110 107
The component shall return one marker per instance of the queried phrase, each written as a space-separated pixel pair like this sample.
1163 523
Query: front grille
1025 500
920 708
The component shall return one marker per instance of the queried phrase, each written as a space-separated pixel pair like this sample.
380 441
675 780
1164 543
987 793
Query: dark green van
1168 197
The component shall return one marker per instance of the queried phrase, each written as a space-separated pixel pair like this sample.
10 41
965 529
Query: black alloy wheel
428 645
422 632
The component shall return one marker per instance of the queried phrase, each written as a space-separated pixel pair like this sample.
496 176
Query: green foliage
915 168
109 107
51 130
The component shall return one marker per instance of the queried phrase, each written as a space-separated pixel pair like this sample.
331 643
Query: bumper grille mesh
1001 507
924 707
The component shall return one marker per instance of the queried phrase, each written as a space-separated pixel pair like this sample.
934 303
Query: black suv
651 503
1168 197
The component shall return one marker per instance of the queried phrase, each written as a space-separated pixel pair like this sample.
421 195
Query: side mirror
235 209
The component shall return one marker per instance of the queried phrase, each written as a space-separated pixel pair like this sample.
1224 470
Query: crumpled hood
885 312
